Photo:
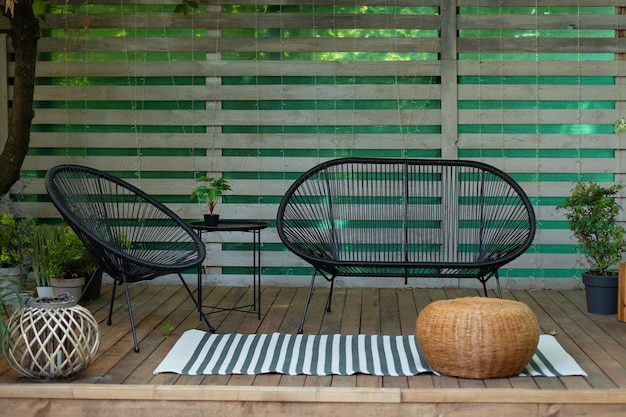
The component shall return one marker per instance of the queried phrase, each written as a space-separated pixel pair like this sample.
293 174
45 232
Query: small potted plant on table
592 215
209 192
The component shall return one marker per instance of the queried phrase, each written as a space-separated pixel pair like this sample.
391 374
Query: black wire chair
130 236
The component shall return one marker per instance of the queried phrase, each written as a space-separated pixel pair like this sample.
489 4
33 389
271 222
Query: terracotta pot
73 286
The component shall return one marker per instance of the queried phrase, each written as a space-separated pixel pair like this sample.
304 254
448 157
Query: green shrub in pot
69 257
591 211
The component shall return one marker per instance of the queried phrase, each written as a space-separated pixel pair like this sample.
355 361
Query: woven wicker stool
51 338
477 337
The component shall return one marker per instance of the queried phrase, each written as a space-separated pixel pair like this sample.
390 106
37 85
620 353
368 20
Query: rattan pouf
475 337
51 338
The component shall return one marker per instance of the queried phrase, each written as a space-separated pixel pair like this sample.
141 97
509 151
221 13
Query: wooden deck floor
118 376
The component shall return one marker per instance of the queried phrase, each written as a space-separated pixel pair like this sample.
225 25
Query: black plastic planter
92 287
211 219
601 293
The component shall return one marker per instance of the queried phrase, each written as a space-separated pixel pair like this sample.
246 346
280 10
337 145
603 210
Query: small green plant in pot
209 191
70 264
591 211
45 238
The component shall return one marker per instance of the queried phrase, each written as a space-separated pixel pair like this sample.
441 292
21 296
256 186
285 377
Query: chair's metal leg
130 314
109 321
308 300
198 306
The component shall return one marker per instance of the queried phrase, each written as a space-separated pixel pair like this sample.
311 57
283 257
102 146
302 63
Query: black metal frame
405 218
243 226
130 235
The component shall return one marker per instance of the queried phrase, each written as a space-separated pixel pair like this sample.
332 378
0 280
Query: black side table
249 226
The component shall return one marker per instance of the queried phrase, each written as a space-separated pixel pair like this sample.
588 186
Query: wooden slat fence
259 92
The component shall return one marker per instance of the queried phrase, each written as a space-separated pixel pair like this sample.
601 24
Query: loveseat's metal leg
308 300
498 288
498 285
330 294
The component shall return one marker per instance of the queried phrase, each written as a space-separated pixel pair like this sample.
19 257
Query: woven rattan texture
475 337
56 341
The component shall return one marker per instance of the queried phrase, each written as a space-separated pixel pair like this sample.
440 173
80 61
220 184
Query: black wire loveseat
364 217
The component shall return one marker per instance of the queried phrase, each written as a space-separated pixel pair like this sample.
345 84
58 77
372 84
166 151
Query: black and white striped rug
201 353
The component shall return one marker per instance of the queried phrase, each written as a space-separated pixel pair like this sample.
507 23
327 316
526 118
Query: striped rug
201 353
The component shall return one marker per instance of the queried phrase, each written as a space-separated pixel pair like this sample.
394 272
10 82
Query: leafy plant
592 215
209 191
167 328
619 126
186 6
5 313
15 239
46 236
10 290
69 257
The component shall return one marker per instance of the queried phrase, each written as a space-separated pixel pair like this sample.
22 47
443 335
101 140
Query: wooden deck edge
80 400
62 391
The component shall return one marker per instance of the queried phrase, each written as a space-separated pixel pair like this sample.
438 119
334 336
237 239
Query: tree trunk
24 37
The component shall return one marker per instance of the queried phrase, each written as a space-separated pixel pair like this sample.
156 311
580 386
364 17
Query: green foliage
210 190
10 290
619 126
69 257
15 239
5 312
39 8
46 236
167 329
185 6
592 215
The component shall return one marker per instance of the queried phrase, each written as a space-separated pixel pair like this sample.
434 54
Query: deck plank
579 337
549 325
596 342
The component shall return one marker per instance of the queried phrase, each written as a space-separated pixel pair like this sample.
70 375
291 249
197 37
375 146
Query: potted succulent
592 215
209 192
70 263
